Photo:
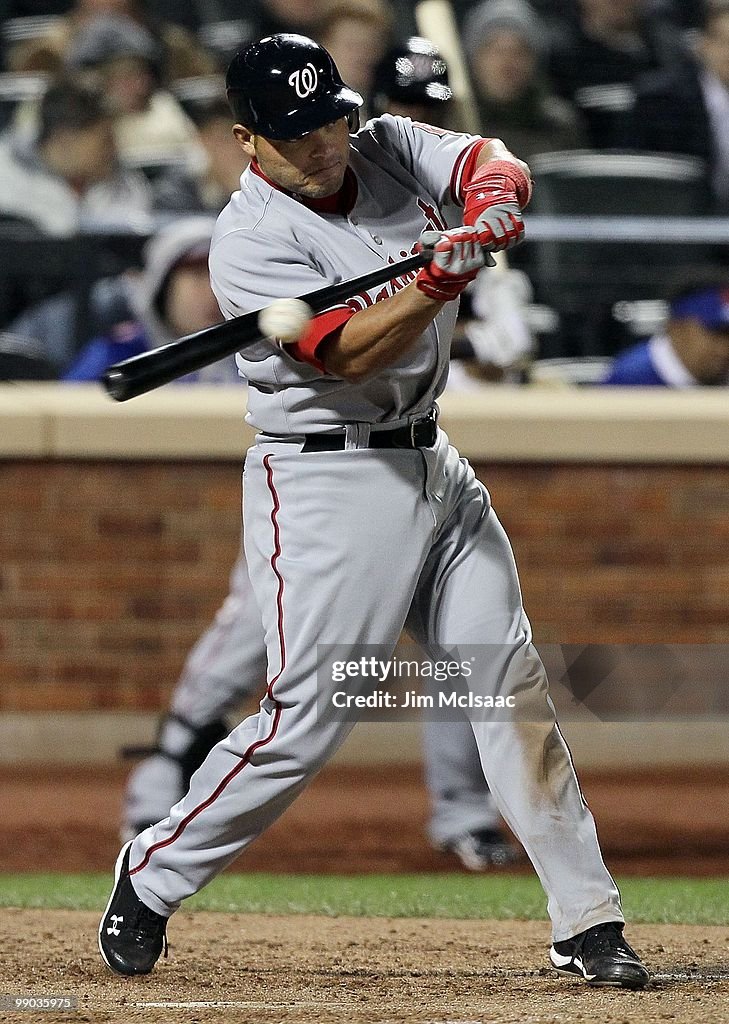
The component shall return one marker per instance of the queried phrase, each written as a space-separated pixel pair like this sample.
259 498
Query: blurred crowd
116 154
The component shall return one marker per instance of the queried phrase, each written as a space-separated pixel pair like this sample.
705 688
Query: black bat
161 365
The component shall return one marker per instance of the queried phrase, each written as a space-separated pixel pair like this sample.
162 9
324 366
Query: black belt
421 433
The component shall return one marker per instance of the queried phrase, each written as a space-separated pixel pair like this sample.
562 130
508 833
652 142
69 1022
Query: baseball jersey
268 244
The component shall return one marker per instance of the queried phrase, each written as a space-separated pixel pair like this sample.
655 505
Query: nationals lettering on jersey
408 178
433 222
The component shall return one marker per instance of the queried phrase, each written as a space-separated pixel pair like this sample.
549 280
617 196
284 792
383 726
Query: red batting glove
457 258
493 201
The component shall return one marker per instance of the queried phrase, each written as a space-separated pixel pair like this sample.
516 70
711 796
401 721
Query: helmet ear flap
353 120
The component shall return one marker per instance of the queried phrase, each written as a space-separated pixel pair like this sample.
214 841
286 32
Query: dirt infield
317 970
313 970
351 821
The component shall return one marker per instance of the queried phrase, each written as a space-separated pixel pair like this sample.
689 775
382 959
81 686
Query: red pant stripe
245 759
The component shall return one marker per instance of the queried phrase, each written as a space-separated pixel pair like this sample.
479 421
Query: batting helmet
285 86
414 73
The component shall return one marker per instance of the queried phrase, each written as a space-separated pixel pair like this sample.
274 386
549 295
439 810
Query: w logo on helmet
305 80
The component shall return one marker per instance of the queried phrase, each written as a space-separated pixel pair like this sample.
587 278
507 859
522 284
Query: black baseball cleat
131 936
600 956
486 848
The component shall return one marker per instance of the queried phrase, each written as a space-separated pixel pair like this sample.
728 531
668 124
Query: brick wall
110 571
619 554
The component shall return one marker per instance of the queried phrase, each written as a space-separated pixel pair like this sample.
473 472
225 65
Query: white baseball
285 319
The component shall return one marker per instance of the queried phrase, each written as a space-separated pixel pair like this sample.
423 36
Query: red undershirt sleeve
464 167
321 327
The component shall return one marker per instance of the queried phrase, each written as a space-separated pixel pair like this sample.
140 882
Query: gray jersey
269 245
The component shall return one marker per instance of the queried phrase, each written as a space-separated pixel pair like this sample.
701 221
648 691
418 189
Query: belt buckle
424 431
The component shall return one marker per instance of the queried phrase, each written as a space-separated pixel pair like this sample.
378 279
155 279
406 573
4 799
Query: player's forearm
378 336
495 149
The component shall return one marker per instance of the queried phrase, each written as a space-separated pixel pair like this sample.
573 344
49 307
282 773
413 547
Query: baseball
285 319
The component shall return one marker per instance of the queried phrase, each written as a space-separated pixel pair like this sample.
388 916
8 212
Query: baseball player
359 515
228 663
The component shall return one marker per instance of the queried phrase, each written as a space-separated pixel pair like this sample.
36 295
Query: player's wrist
440 289
435 293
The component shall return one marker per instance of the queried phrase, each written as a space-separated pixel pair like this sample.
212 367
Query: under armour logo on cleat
117 920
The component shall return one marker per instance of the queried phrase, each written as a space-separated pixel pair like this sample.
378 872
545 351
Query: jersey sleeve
248 270
246 275
435 157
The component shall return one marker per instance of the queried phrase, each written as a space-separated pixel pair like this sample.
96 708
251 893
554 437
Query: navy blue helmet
285 86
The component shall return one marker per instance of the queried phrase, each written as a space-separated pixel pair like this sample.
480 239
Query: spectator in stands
45 334
65 176
171 298
189 15
597 63
272 16
207 187
553 13
124 60
504 41
285 15
181 56
693 350
356 33
21 361
687 14
686 109
227 25
411 80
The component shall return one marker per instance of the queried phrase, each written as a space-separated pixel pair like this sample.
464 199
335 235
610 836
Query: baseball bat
159 366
